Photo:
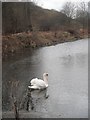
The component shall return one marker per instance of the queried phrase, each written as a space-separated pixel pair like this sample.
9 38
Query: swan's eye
47 74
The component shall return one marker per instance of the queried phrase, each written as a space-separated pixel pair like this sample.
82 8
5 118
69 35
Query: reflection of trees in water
68 60
13 96
27 101
32 97
81 59
77 59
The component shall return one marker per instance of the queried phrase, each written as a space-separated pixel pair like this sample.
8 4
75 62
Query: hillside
18 17
24 24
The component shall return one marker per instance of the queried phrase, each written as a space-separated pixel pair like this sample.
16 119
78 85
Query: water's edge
66 64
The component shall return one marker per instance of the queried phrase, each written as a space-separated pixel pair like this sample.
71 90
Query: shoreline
15 42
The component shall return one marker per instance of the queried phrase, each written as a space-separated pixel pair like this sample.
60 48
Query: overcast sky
56 4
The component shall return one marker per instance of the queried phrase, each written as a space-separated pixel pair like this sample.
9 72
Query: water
67 66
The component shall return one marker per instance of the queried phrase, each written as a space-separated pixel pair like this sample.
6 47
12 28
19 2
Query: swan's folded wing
33 81
40 83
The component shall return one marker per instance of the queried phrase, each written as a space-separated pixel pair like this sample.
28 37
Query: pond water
67 66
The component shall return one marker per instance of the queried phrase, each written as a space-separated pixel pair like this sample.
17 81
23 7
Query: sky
56 4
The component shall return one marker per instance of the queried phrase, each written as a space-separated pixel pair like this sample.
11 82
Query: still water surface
67 66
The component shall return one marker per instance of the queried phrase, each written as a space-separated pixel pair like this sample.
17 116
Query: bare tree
82 14
69 9
89 6
82 9
89 17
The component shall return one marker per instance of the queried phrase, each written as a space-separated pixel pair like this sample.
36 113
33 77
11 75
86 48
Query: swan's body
38 83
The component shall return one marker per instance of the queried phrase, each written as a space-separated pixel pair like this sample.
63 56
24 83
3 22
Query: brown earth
13 42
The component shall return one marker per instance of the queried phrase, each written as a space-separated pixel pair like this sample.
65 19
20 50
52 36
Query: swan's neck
45 78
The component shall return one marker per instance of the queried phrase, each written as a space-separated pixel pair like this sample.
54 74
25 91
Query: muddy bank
12 43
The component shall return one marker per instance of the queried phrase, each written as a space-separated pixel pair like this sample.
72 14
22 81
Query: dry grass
13 42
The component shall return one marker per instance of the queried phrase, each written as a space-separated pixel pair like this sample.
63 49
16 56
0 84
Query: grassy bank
14 42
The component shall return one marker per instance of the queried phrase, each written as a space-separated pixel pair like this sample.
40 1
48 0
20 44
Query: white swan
38 83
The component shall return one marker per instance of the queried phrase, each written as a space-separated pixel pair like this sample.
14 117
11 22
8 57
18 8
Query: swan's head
45 78
45 75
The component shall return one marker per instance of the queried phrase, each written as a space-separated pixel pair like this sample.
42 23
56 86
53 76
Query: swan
38 83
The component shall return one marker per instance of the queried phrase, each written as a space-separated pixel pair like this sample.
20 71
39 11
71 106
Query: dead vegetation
14 42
